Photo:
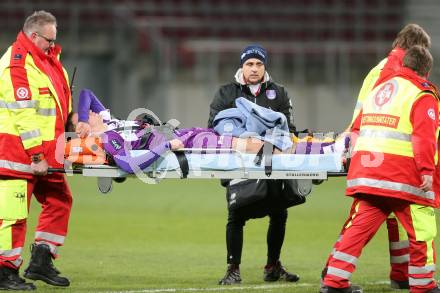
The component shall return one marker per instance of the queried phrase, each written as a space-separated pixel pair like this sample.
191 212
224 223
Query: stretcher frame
106 173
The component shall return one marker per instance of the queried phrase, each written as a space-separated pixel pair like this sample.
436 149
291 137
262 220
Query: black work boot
275 272
399 284
10 280
42 268
232 275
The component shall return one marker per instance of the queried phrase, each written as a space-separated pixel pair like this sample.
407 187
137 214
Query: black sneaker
232 276
41 267
351 289
275 272
10 280
399 284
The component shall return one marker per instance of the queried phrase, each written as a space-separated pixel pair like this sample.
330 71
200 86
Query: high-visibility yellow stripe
6 234
430 253
13 199
423 218
356 209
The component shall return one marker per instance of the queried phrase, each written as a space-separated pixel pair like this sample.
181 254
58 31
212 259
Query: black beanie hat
253 51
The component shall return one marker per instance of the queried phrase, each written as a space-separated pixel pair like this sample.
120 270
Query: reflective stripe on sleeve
394 186
15 166
19 104
30 134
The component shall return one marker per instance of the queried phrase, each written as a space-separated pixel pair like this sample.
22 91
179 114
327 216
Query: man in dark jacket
254 83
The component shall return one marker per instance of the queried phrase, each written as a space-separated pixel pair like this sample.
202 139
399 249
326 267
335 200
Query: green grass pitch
170 237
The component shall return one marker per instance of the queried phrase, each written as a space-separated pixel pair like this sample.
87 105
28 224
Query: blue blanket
249 119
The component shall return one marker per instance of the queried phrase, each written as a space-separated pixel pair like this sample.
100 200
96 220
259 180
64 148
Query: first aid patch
431 113
22 93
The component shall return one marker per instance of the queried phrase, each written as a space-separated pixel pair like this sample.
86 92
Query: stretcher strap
267 151
183 163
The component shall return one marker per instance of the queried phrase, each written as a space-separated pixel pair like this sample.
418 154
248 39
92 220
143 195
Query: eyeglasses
50 41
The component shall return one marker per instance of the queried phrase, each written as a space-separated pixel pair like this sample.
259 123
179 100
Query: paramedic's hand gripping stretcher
118 148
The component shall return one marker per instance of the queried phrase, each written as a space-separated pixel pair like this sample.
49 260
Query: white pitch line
235 288
223 288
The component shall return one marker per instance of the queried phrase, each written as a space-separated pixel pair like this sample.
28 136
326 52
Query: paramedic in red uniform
411 35
35 101
392 170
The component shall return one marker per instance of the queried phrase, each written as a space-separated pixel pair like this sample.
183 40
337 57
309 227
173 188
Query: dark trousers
275 234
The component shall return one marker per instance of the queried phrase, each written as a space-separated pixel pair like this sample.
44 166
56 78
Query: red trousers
53 193
398 245
369 214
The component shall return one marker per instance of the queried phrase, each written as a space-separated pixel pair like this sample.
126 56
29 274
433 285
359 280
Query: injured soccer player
117 143
103 139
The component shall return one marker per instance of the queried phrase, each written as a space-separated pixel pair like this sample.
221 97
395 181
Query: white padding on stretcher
233 161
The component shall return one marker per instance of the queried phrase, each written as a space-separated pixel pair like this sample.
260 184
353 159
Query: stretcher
218 164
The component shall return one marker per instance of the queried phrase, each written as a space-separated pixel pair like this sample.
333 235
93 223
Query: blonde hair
37 20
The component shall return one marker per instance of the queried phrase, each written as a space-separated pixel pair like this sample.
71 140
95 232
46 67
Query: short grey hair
37 20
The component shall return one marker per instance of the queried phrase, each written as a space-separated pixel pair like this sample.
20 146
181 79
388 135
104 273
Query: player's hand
426 183
40 168
176 144
83 129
